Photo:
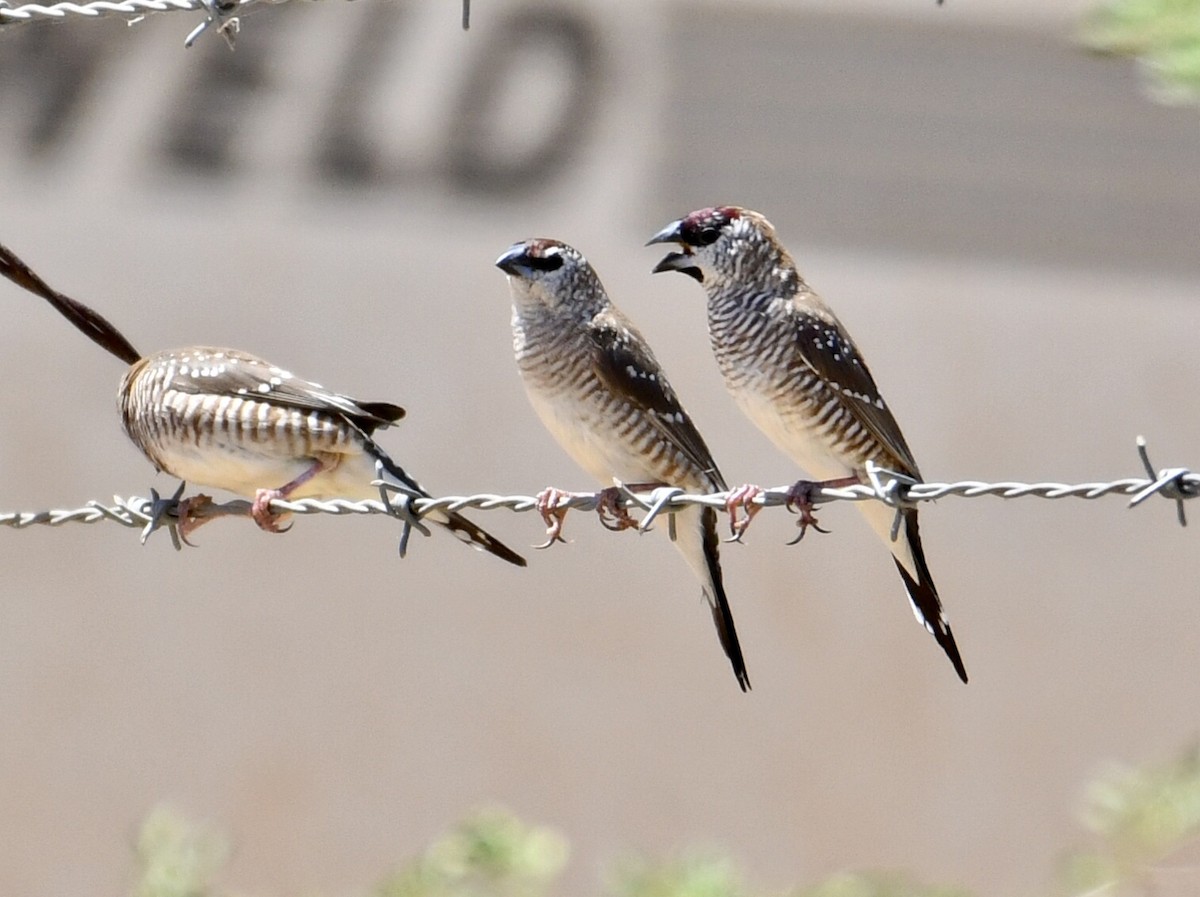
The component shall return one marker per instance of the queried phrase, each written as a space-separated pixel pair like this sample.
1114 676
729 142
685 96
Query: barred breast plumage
794 370
754 339
228 420
598 388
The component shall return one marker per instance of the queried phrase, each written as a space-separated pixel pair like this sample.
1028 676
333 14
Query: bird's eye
551 262
707 236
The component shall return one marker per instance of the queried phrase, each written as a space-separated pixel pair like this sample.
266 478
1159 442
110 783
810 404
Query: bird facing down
794 370
228 420
597 387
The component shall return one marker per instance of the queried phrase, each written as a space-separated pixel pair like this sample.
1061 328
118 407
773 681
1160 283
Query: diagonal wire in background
220 14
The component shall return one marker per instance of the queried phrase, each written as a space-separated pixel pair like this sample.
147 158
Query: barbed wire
149 514
223 15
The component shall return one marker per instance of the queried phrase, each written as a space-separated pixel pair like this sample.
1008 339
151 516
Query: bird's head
550 274
720 244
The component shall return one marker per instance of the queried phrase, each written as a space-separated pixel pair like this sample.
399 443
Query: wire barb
1170 483
402 510
894 492
149 514
219 13
659 499
160 509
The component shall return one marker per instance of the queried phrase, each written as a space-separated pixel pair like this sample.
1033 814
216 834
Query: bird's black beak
514 261
676 261
681 262
672 233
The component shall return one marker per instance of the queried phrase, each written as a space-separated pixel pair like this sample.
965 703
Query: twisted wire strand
219 13
149 514
35 12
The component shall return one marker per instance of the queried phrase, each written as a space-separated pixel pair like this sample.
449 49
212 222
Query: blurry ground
1003 222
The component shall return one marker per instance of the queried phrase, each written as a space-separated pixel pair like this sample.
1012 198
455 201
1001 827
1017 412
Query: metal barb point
1169 483
659 499
402 509
405 532
466 18
162 511
894 492
220 15
634 499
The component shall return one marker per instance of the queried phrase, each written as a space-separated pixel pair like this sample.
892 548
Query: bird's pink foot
189 521
261 511
741 497
800 500
547 505
613 514
609 508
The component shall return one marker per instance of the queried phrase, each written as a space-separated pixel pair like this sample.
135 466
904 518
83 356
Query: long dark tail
924 597
723 618
462 528
93 325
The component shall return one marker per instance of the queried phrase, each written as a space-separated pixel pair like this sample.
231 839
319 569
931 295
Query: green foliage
1140 817
700 876
1164 34
176 858
877 884
492 854
691 876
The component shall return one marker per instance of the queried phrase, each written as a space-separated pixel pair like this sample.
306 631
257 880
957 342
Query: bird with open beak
794 370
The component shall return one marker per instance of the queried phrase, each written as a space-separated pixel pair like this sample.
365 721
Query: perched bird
228 420
599 390
794 370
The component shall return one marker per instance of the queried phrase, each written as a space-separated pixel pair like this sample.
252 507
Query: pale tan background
1004 222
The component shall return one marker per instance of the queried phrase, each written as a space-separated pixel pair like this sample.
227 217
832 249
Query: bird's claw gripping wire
800 500
742 497
189 519
553 505
261 513
610 505
1169 483
802 495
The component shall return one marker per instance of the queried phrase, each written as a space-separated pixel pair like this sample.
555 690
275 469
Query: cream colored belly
244 472
794 437
588 439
